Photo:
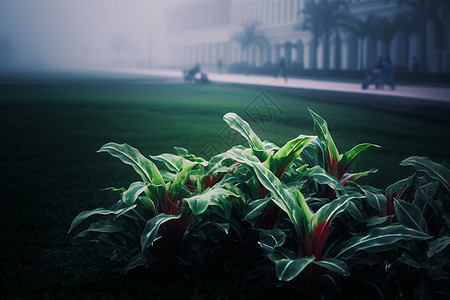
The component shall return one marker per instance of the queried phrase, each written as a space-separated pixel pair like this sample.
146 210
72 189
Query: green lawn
51 171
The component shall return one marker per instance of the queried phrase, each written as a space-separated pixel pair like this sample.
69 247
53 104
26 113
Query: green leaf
256 207
140 259
398 188
149 235
350 157
284 157
114 189
272 238
184 153
410 215
98 211
181 178
288 269
429 167
379 238
238 124
199 203
322 177
173 162
283 197
135 189
131 156
100 227
438 245
330 210
321 129
354 176
375 198
148 203
334 265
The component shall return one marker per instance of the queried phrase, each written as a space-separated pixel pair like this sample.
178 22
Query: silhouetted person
388 72
374 75
282 69
190 74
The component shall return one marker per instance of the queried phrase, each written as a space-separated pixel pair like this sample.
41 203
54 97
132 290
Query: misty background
83 33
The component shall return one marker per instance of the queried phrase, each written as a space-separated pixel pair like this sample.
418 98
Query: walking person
387 70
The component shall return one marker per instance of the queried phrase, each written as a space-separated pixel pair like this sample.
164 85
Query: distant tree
323 18
250 35
426 11
362 28
386 29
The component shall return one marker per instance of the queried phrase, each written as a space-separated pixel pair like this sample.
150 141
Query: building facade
203 31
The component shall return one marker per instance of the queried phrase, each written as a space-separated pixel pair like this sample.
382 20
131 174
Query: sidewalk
410 92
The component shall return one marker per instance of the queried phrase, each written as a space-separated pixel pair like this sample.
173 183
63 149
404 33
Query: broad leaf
181 178
131 156
184 153
321 129
350 157
173 162
432 169
334 265
140 259
322 177
256 207
149 235
410 215
241 126
398 188
379 238
148 203
288 269
438 245
282 196
272 238
284 157
135 189
199 203
101 227
354 176
98 211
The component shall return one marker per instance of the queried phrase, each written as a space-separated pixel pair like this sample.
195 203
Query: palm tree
362 28
250 35
322 18
386 31
427 11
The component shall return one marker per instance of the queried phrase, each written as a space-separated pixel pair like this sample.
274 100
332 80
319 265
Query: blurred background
241 36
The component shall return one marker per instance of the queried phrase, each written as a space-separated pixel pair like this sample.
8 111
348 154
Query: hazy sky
67 33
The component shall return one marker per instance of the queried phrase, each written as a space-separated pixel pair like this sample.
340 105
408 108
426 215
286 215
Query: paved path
420 101
412 92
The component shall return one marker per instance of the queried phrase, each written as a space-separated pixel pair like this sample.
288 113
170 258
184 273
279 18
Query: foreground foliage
296 210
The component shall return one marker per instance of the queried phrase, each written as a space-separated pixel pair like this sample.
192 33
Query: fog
48 34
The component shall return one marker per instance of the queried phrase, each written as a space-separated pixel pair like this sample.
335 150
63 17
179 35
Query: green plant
298 202
152 218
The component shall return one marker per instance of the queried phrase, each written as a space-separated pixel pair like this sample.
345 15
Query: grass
51 171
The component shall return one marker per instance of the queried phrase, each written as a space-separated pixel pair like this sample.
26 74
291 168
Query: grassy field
51 171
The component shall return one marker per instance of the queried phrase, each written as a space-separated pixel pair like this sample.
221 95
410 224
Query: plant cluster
316 228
